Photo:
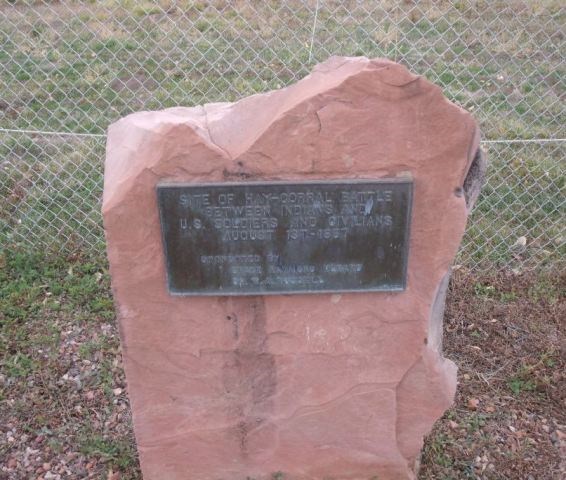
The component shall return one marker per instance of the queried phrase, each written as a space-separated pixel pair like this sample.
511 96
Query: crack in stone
207 127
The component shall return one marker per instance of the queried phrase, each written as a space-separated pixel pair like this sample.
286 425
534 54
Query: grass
53 187
120 453
78 67
61 382
62 388
523 196
511 366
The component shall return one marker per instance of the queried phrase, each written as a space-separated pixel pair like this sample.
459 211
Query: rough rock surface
311 386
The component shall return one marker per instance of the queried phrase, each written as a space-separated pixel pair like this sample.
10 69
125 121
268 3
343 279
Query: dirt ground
64 412
505 332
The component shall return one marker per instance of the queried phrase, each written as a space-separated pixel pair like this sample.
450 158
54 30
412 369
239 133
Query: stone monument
279 267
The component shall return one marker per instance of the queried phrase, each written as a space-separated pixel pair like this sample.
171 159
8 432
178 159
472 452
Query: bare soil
505 332
64 411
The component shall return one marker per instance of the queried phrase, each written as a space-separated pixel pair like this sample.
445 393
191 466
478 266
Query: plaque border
408 179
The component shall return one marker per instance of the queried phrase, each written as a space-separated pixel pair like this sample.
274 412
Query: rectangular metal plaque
279 237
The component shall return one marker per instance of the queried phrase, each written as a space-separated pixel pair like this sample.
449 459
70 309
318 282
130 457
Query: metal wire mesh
68 69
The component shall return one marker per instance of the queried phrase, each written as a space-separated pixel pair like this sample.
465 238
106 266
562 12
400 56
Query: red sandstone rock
314 386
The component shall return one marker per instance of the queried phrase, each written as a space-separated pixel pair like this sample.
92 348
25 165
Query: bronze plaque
282 237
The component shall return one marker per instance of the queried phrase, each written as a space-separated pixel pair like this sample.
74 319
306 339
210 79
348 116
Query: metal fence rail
70 68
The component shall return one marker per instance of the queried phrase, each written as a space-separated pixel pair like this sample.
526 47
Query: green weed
119 453
18 365
519 385
439 446
485 291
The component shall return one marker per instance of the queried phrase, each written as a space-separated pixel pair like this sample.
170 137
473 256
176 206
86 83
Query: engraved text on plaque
279 237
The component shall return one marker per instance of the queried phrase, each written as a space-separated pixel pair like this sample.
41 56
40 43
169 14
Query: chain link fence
68 69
